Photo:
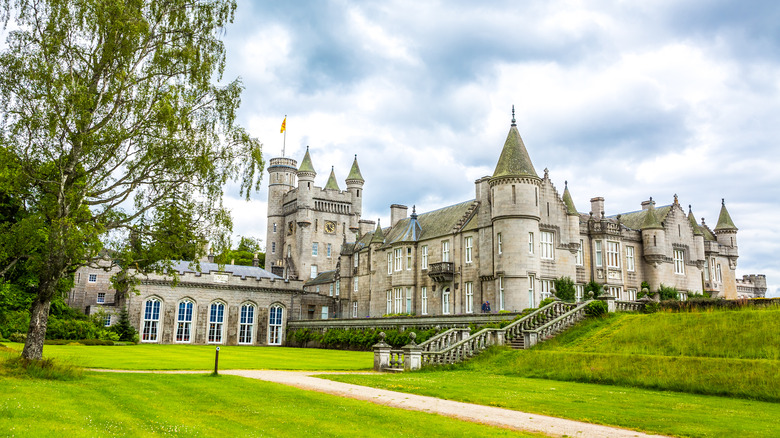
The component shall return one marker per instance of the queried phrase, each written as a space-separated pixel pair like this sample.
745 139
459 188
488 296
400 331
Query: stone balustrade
401 323
629 306
445 339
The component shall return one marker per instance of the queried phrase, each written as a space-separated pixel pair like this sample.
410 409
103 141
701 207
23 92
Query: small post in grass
216 362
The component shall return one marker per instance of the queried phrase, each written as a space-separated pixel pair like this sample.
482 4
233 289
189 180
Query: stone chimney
256 261
647 204
597 207
397 213
366 226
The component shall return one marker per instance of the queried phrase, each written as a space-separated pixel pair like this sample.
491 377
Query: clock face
330 227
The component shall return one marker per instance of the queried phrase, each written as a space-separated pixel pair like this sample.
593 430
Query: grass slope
201 357
199 405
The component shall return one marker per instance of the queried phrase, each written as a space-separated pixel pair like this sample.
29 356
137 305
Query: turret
515 216
355 187
572 217
332 184
698 237
306 176
282 175
653 235
726 231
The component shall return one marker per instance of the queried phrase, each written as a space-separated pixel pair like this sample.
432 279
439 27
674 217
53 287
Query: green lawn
105 404
671 413
201 357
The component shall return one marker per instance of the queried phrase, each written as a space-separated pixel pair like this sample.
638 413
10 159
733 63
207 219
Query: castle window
216 322
338 287
514 196
389 308
424 300
445 301
679 230
275 325
546 289
445 251
355 284
92 278
408 300
531 292
101 297
718 277
314 249
330 290
389 263
408 259
597 245
358 195
579 292
274 227
706 269
499 243
548 209
329 250
536 195
424 261
184 321
500 293
107 321
613 254
151 320
469 297
316 224
356 259
468 249
399 299
630 295
313 271
273 247
630 265
354 309
530 243
324 312
546 239
399 254
679 261
246 324
580 257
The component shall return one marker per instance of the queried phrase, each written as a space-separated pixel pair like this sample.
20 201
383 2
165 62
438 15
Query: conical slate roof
724 220
514 159
570 209
354 173
379 236
651 222
306 165
692 219
332 184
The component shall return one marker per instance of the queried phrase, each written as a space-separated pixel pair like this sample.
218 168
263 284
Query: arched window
151 320
216 322
184 321
246 324
445 301
275 325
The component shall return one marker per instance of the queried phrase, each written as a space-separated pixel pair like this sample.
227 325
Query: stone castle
505 247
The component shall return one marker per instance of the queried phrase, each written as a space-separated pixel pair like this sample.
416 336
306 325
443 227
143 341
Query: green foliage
651 307
545 302
668 292
594 287
596 308
124 330
47 368
244 253
564 289
115 136
356 339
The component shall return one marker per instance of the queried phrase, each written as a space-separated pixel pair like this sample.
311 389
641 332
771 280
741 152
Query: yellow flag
284 125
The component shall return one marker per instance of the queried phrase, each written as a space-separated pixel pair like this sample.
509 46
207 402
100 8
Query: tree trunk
39 318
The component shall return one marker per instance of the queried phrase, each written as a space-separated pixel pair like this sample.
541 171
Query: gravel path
463 411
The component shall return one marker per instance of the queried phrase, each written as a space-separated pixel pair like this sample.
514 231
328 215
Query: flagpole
284 144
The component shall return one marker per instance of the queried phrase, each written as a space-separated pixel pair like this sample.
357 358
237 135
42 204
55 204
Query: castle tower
726 233
572 217
514 190
653 244
698 239
355 187
282 174
306 176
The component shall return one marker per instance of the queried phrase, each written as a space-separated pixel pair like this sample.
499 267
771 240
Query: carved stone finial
382 336
514 122
546 172
566 183
675 199
689 208
723 201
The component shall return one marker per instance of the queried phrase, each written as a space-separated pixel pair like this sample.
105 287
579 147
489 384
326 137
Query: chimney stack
397 213
597 207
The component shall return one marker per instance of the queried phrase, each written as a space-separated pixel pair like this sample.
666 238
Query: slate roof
724 220
354 172
514 159
183 266
322 278
635 219
306 165
332 184
571 210
692 219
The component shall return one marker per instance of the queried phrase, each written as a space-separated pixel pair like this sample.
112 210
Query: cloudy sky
625 100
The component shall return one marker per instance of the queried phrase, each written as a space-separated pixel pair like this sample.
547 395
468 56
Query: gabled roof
306 165
514 159
635 220
323 278
724 220
354 172
407 230
571 210
183 266
332 184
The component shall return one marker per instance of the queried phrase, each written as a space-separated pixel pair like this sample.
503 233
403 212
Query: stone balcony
442 271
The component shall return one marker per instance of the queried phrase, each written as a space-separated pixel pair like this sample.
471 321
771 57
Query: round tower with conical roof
306 175
726 231
514 201
282 178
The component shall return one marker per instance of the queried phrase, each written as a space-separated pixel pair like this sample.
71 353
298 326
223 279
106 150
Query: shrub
596 308
545 302
651 307
18 337
124 330
668 292
594 287
564 289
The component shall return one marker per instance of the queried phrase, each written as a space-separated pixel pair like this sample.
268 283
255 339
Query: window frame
424 261
92 278
546 243
101 298
246 323
678 256
468 243
216 323
275 324
469 286
613 254
150 322
630 260
445 251
580 257
315 249
445 301
531 243
184 321
597 248
424 300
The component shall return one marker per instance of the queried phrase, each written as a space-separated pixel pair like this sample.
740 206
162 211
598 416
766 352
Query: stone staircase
455 345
